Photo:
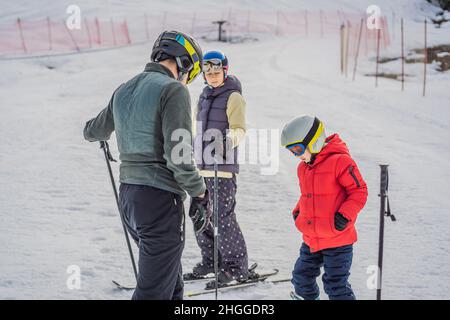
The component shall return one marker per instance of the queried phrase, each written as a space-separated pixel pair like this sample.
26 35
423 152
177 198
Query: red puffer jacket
331 184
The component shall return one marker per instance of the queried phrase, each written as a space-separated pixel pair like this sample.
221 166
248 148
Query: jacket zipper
350 169
312 199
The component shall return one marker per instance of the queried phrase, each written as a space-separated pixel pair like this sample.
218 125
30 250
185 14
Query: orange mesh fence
22 37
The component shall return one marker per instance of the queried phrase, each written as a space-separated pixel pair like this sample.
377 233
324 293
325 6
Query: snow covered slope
56 204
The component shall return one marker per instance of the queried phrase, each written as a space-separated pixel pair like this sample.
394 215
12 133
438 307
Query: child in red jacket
332 194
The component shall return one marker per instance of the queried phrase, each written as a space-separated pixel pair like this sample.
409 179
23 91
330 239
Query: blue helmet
215 58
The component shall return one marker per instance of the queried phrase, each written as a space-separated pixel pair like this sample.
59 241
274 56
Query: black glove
295 215
198 211
340 222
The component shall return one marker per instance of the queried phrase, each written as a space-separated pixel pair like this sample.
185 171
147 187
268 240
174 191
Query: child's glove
340 222
295 215
198 211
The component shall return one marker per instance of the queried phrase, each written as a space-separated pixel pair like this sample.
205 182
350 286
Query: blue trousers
336 262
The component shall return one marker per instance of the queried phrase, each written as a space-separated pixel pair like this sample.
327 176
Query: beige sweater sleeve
236 118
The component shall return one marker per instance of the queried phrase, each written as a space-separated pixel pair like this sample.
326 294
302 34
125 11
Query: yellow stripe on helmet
315 137
313 140
194 57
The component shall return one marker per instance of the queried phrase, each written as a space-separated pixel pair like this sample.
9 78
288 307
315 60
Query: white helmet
306 130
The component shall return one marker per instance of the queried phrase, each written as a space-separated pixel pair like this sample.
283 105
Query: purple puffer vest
212 114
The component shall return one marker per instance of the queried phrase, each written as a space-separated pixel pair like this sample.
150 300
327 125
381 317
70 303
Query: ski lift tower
220 23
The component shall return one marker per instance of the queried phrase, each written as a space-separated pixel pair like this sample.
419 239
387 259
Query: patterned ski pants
232 248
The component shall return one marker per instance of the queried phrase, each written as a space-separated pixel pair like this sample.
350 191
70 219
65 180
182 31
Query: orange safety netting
49 36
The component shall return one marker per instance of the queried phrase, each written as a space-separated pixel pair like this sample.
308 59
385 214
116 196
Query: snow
57 207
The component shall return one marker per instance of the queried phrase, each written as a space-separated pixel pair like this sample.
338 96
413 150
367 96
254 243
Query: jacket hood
333 145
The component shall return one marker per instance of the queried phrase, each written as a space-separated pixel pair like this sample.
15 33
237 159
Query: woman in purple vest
220 127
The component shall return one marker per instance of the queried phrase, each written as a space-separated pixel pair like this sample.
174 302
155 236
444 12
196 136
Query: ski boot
224 279
199 272
252 273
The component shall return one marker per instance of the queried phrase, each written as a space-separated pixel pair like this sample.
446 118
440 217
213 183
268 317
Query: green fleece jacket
144 112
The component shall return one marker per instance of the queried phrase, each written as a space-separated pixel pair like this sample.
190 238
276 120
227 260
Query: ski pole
385 210
216 228
108 157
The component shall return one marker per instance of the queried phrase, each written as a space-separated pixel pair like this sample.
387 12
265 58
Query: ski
238 285
280 280
123 287
132 286
206 278
210 276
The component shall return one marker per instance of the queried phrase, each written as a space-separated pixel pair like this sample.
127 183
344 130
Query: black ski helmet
183 49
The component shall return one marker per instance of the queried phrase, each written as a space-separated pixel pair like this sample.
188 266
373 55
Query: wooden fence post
425 59
24 46
357 48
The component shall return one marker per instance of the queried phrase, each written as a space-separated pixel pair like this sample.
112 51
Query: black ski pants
155 220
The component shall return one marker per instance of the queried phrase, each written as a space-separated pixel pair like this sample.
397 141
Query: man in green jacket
149 114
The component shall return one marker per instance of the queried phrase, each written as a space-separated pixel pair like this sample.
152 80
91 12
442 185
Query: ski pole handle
384 179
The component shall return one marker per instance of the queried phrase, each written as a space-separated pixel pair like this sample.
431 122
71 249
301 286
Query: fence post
357 49
366 38
24 46
88 31
97 25
306 22
248 21
378 56
347 47
355 39
425 59
49 28
127 31
393 25
342 32
71 36
321 23
385 33
388 32
375 38
277 29
382 34
403 54
113 33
